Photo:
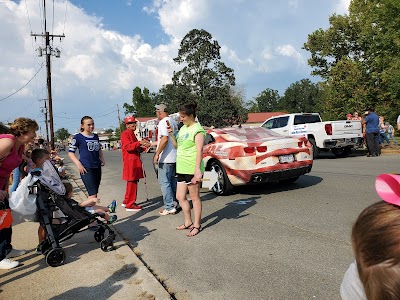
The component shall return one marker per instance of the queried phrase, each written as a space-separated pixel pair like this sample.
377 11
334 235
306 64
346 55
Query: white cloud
343 6
260 40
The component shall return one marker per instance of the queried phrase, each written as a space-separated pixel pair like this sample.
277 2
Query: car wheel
223 186
314 147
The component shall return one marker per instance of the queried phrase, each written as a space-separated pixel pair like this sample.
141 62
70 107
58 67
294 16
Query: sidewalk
87 273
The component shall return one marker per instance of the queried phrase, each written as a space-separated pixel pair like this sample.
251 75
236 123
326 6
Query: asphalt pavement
263 242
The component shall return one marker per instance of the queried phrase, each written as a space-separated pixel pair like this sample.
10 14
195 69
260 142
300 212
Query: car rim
219 186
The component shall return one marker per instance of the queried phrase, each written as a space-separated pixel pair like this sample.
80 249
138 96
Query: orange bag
5 218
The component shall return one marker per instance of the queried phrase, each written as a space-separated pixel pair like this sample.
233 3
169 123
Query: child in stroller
50 197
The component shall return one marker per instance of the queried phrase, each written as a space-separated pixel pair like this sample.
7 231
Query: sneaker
123 204
16 253
165 212
113 218
7 264
134 208
112 206
38 250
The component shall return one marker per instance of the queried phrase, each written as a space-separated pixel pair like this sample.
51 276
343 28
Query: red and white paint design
244 152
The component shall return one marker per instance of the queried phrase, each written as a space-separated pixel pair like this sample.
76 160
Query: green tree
142 103
109 130
301 96
267 100
208 80
367 44
62 134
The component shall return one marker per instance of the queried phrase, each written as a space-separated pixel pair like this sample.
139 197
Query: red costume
132 165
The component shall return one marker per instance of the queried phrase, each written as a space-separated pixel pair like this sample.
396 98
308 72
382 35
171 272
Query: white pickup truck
338 136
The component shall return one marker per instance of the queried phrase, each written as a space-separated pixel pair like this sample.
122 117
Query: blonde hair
376 245
23 125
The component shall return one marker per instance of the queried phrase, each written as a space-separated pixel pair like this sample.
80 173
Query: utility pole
119 121
48 51
44 110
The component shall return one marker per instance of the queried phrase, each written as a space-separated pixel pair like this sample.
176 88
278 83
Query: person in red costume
132 165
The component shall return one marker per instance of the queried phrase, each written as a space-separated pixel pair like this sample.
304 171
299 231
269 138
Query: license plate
284 159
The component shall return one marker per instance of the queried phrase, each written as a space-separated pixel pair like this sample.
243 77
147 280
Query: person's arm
161 146
6 146
103 162
128 144
199 140
89 202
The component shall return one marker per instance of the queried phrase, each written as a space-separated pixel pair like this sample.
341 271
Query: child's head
376 241
61 163
376 244
39 156
68 190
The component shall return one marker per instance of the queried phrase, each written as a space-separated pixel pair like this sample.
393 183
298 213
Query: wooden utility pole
49 51
46 119
119 121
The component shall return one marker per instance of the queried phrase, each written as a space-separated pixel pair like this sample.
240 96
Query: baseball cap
161 107
388 188
130 119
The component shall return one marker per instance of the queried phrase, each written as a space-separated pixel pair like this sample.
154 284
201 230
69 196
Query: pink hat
388 188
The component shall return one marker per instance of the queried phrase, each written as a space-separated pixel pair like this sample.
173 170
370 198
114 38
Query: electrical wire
23 85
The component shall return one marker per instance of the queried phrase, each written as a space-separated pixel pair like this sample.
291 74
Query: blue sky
110 47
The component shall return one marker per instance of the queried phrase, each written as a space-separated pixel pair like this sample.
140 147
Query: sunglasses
131 123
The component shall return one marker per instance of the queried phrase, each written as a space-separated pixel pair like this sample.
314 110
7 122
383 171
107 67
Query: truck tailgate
346 127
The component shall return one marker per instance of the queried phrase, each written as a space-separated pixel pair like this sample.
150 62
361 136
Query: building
256 119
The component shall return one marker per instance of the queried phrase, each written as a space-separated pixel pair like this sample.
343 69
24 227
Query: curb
151 287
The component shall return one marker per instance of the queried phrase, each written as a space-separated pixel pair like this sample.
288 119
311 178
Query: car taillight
262 148
328 129
249 150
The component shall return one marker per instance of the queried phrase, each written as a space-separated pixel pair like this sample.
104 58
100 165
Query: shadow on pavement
232 210
104 290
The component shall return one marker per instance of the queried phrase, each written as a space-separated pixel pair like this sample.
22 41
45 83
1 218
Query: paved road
264 242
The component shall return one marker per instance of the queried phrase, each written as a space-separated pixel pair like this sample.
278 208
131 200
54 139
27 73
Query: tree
267 100
208 80
142 104
109 130
365 43
301 96
62 134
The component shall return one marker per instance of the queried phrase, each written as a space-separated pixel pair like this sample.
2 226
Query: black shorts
186 178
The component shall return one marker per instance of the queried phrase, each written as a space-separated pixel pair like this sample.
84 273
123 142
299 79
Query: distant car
243 156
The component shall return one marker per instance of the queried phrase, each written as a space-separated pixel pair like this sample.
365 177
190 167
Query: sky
111 47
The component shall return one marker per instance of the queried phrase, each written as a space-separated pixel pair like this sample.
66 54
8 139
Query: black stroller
63 218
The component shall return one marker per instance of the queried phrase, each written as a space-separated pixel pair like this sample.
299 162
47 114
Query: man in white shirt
165 157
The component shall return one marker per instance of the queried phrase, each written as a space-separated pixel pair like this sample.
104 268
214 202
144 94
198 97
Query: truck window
282 122
269 124
306 119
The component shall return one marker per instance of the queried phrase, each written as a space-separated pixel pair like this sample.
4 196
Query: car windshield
306 119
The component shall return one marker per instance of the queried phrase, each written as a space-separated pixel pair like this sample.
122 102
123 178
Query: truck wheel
314 147
341 152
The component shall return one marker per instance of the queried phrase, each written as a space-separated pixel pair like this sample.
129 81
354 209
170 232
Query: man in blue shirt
371 122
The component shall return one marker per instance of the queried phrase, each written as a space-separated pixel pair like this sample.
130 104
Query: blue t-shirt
89 148
372 121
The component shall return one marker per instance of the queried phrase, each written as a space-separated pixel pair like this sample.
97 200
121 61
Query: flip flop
198 231
184 227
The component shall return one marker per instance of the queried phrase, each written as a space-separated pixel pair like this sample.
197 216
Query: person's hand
145 143
103 163
3 195
81 169
156 158
196 177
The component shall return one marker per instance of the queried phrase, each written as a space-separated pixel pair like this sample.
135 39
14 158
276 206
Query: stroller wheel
107 245
55 257
98 236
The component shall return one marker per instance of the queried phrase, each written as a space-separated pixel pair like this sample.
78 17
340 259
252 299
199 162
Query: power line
23 85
